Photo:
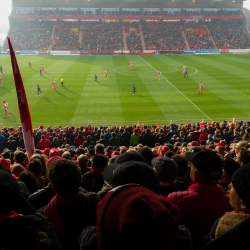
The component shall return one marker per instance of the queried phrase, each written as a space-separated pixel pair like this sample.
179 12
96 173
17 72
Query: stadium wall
126 52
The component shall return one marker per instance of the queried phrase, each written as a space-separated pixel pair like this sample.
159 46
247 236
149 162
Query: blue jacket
2 140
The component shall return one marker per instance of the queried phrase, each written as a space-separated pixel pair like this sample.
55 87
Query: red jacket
201 205
203 136
44 143
79 140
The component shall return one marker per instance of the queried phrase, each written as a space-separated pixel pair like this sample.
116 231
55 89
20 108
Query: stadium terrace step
211 37
124 38
142 38
185 38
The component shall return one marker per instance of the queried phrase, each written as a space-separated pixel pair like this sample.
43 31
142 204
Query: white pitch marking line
177 89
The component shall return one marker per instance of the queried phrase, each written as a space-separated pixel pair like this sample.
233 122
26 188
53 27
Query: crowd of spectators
64 38
57 12
120 12
197 36
105 36
113 187
133 37
163 36
31 35
229 35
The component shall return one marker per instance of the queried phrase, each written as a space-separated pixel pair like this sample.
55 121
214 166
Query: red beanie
54 152
194 143
115 153
5 163
164 149
133 217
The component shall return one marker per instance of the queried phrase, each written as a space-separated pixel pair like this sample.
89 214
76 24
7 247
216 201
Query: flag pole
23 105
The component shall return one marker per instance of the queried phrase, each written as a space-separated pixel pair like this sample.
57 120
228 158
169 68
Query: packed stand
133 38
229 35
64 39
106 36
163 36
110 188
31 35
120 12
197 36
57 12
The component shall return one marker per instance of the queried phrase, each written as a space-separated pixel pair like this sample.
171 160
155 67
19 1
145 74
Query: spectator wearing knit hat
93 181
167 171
204 201
120 176
125 220
232 230
163 150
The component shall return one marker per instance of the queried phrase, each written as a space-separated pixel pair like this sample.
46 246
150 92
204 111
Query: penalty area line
177 89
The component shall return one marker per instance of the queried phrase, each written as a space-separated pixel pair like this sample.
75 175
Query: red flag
23 106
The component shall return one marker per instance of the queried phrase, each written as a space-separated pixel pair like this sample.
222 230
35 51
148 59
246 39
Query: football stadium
125 124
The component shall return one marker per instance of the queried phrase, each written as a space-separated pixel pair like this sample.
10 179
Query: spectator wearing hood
79 140
44 143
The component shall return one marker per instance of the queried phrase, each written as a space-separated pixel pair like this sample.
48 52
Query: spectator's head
35 167
182 165
5 162
20 157
129 156
221 150
42 159
123 149
17 169
30 180
9 192
6 154
206 167
163 150
65 177
166 169
132 172
147 154
99 162
132 217
240 189
82 161
99 149
54 152
243 157
229 167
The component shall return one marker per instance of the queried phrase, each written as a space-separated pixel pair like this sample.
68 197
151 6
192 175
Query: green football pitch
226 92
